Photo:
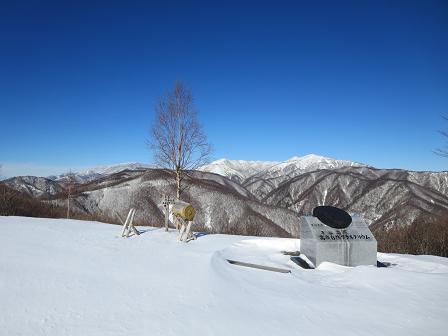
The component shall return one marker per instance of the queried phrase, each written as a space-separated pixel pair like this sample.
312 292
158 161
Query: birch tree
176 137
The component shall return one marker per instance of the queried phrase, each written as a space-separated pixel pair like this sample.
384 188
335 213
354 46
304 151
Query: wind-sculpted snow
66 277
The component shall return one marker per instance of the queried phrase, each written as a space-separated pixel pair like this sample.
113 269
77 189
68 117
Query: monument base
352 246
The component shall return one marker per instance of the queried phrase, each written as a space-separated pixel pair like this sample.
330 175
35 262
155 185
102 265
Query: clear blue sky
358 80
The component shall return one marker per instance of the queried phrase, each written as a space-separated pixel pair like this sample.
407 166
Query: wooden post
128 225
126 222
167 207
185 234
166 203
128 229
132 225
188 235
181 231
119 217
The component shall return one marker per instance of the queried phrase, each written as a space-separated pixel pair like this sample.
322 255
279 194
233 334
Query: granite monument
332 235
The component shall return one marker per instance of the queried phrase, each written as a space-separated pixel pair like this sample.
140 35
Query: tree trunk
167 208
178 172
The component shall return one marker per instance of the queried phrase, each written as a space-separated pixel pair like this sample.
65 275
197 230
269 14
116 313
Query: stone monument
333 235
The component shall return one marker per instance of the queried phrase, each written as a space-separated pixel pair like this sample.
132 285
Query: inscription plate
352 246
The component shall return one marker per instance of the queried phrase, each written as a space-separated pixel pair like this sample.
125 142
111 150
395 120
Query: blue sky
358 80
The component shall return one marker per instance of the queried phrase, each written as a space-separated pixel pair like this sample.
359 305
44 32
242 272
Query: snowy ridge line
241 170
94 173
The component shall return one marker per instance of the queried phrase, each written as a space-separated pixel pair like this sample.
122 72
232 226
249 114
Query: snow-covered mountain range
230 193
237 170
98 172
240 170
385 197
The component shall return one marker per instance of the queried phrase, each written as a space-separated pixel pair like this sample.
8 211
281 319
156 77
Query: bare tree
444 150
177 139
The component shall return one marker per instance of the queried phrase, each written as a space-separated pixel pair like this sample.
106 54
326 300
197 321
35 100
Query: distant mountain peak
308 157
93 173
241 170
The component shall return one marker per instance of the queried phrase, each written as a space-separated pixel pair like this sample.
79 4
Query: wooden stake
119 217
130 224
166 203
126 222
185 234
167 207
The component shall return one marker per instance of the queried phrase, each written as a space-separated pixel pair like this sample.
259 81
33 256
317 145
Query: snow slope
67 277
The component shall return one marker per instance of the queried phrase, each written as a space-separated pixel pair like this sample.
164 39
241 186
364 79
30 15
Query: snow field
67 277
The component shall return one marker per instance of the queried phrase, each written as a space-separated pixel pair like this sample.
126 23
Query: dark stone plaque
333 217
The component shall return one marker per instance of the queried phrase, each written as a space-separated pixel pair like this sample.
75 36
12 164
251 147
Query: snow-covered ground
67 277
